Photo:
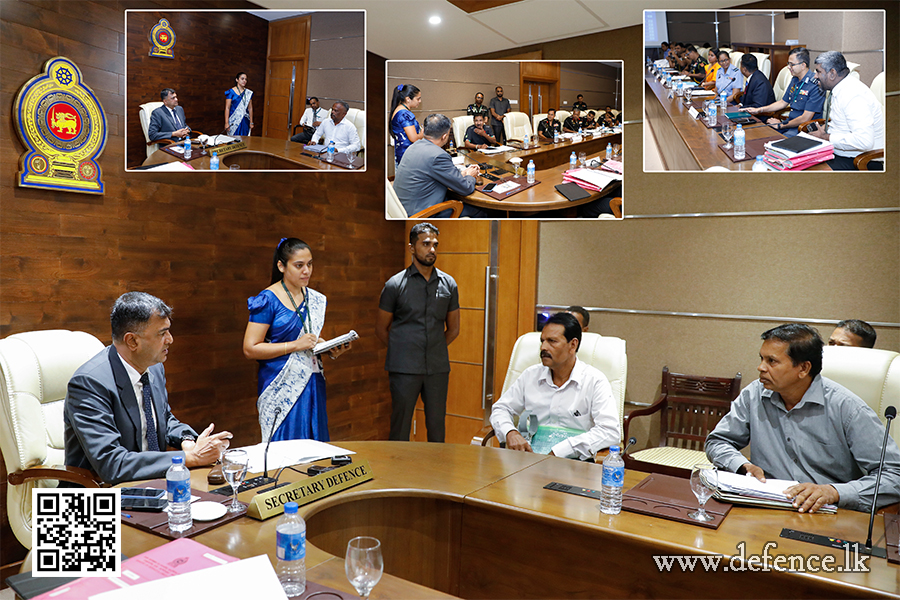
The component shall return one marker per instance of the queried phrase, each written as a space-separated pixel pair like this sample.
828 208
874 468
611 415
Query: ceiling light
435 20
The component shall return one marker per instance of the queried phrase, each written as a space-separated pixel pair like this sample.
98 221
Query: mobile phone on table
143 492
489 187
143 504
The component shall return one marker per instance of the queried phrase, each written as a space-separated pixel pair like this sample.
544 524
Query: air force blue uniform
803 95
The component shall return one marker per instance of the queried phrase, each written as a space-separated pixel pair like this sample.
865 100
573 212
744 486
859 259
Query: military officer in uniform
805 98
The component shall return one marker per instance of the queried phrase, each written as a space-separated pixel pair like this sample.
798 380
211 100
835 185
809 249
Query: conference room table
551 161
262 153
685 143
476 522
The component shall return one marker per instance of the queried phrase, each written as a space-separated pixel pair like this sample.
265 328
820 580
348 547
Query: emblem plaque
162 38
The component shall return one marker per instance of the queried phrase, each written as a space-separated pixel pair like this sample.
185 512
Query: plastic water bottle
679 91
214 162
451 148
187 147
573 160
290 539
555 136
530 171
609 152
178 485
669 80
759 165
739 147
613 479
711 116
723 101
525 141
331 151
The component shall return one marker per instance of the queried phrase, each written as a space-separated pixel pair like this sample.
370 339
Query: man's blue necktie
152 439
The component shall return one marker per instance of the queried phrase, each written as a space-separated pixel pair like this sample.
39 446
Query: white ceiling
399 29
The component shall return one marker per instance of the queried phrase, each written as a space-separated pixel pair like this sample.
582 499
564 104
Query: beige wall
597 82
858 34
828 267
337 58
448 87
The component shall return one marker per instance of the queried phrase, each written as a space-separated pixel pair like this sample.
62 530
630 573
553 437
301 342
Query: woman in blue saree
238 109
286 319
404 127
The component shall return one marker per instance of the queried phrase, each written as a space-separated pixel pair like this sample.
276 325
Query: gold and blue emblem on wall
62 125
162 39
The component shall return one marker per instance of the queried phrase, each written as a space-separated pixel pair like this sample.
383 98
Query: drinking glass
234 465
364 564
582 158
688 93
703 489
617 149
728 133
350 157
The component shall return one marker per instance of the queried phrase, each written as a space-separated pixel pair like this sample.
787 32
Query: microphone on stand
266 453
263 479
889 413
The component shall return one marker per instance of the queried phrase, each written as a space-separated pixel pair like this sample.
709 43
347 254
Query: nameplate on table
227 148
693 112
271 503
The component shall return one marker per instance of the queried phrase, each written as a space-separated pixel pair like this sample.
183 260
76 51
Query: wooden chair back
694 406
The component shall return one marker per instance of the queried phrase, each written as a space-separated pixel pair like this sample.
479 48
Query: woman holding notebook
285 325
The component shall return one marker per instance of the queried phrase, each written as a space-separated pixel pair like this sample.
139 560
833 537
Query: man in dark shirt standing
478 108
418 317
580 104
573 122
547 127
499 108
479 135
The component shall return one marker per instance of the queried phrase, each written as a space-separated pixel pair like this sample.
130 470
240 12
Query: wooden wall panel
201 241
210 48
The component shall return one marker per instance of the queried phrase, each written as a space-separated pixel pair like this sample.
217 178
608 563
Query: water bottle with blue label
723 101
526 141
712 114
679 91
759 164
329 156
290 550
609 152
187 147
214 162
178 487
739 143
530 172
573 160
613 480
555 136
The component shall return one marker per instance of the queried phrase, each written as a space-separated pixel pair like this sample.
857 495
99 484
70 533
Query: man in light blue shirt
728 77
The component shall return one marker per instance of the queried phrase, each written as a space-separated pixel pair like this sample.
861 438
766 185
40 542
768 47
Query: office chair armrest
58 472
863 159
456 205
804 126
654 408
483 436
615 205
161 142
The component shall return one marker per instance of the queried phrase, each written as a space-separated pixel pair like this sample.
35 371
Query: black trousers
405 390
842 163
302 137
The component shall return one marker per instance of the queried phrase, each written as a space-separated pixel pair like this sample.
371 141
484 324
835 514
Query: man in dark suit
426 172
167 121
117 418
758 91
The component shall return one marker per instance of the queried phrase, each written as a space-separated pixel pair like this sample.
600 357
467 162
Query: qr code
76 532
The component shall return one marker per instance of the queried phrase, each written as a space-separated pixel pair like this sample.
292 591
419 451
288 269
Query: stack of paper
746 489
615 166
797 153
588 179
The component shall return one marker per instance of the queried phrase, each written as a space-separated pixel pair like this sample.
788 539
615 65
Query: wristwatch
188 437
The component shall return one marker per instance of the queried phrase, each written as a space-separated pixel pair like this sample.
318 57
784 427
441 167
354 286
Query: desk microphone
631 442
889 413
264 478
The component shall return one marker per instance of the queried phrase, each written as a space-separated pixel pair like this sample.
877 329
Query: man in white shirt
854 119
343 133
311 119
563 393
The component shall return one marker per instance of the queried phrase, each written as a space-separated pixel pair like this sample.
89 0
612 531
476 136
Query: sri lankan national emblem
63 127
163 38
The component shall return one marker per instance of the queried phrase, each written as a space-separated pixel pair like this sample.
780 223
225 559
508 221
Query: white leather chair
736 58
460 125
393 208
606 353
782 82
35 369
145 111
562 115
763 63
536 120
516 126
704 52
358 118
877 88
871 374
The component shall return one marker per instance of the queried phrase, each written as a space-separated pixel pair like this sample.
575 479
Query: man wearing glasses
802 95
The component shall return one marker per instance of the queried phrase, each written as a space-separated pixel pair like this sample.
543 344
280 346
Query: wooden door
538 97
286 73
465 252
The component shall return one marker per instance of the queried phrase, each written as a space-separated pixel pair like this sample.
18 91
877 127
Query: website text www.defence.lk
853 561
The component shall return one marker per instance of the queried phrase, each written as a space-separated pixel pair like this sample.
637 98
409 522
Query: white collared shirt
310 116
855 120
135 379
344 134
584 402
